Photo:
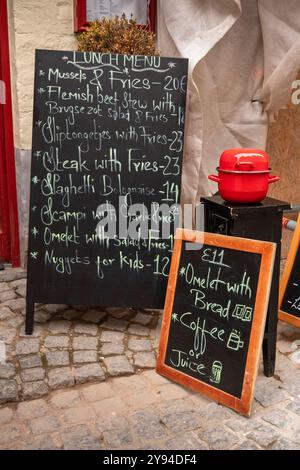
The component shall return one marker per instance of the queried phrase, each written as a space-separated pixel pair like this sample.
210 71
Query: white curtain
244 56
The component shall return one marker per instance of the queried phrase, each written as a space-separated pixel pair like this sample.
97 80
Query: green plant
119 35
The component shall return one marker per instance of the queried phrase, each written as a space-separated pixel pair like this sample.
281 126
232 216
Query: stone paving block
98 392
44 424
86 329
138 330
12 274
79 414
60 377
79 438
284 346
285 444
89 372
37 332
71 314
27 362
147 425
174 406
44 442
118 438
281 419
6 415
139 399
198 399
5 313
295 357
34 389
32 409
27 346
218 438
16 304
112 349
115 324
94 316
32 375
84 342
66 399
213 412
109 406
268 391
18 283
16 321
142 318
154 378
21 291
118 312
57 358
112 337
8 390
247 445
7 370
296 436
171 391
294 406
59 326
288 331
84 357
7 334
116 431
138 345
41 316
264 435
54 308
181 421
7 295
57 342
4 286
132 384
183 442
9 433
145 360
118 365
242 425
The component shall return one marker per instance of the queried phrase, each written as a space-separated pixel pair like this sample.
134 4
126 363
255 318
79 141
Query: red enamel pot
244 175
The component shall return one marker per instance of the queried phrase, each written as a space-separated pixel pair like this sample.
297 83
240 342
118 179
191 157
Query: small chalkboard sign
107 153
289 292
214 315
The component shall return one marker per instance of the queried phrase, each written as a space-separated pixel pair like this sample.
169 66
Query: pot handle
214 178
273 179
244 163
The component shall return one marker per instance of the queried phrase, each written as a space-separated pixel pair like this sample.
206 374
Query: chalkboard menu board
289 293
215 313
107 135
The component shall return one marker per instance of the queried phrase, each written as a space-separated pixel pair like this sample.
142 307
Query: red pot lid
244 159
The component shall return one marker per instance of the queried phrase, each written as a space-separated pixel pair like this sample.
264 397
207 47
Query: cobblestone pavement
111 398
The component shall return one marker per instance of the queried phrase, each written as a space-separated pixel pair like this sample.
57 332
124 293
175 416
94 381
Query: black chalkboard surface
291 300
107 134
214 319
289 292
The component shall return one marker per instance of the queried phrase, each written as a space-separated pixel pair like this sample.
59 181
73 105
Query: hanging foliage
118 35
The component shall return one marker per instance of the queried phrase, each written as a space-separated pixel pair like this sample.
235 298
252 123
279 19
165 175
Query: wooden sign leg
29 317
269 342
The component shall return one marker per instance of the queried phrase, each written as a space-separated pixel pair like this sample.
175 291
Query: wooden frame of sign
284 316
267 252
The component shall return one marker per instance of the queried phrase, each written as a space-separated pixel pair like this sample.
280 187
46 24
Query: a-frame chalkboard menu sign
214 315
289 292
106 154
